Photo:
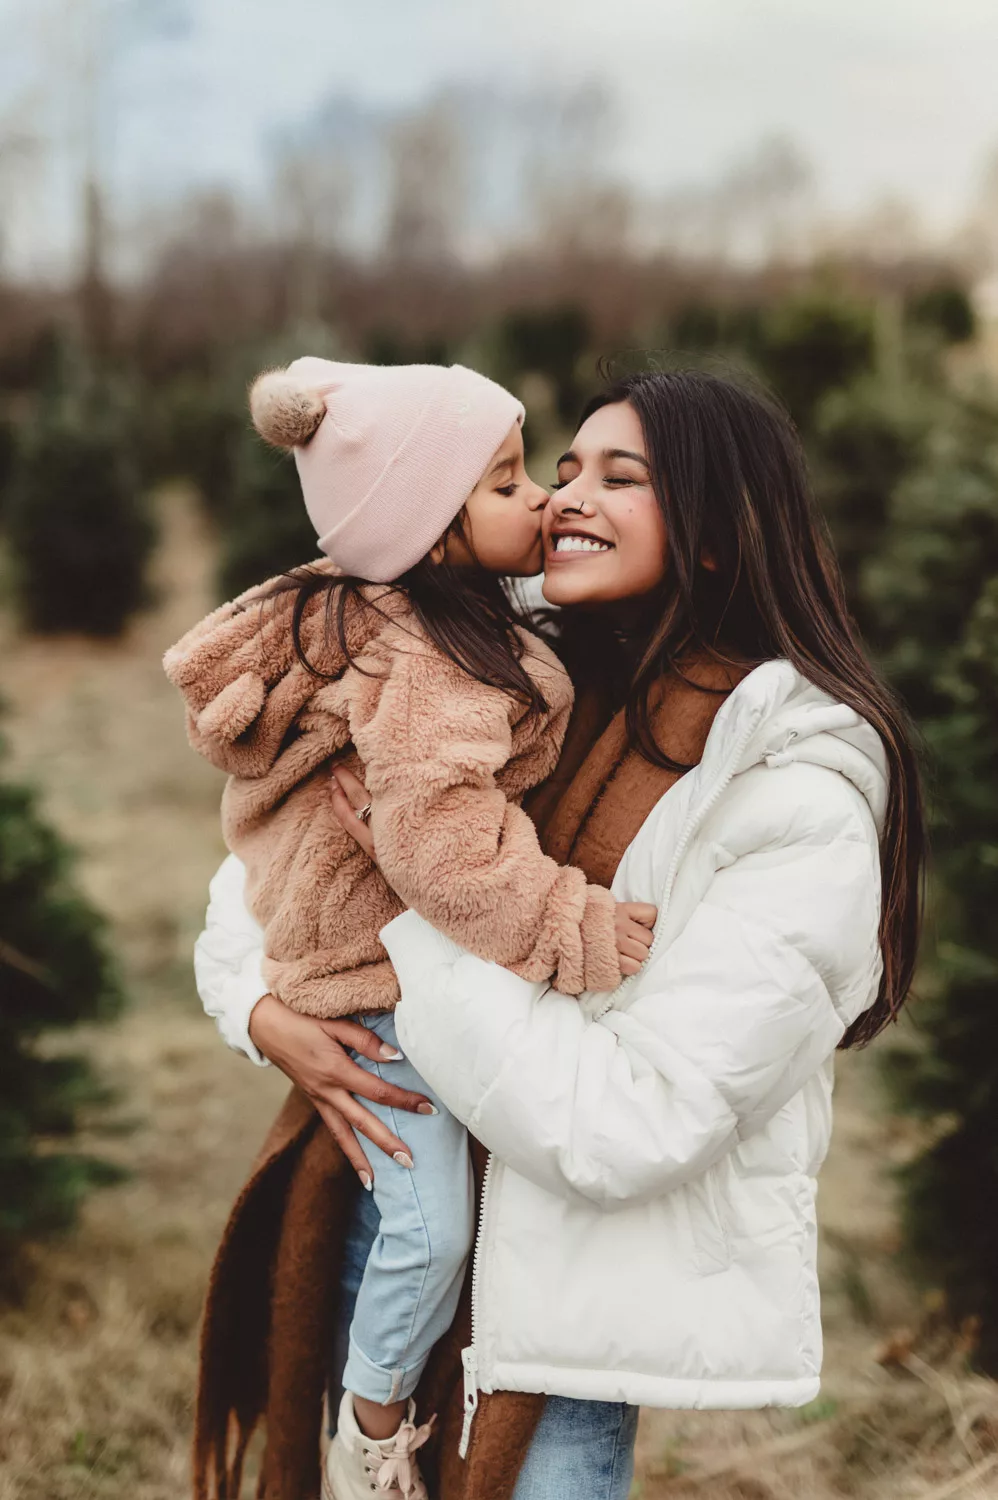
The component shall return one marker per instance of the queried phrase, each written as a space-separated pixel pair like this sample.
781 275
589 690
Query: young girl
400 656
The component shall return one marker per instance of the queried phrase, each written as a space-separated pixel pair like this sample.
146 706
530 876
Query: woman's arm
733 1017
228 960
313 1054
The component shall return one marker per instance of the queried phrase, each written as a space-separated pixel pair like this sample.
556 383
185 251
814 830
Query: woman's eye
507 489
618 479
559 484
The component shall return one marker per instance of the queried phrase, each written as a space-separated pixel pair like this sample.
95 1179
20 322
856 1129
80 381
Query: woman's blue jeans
582 1450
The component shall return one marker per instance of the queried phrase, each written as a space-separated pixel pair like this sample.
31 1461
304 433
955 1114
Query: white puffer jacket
648 1226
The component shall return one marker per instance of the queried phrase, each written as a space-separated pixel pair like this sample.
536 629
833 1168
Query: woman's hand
349 799
313 1054
633 927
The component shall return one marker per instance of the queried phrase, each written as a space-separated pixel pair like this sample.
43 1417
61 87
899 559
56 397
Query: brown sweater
272 1295
446 760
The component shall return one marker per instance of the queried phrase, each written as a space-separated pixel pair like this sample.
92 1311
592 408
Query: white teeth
580 544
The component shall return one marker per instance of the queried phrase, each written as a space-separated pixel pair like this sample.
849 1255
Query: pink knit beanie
386 455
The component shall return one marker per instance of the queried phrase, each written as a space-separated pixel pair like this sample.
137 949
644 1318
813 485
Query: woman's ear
438 551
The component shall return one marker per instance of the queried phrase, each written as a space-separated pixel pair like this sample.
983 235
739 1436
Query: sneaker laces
398 1472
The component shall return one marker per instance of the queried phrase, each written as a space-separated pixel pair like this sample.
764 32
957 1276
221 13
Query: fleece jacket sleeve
449 842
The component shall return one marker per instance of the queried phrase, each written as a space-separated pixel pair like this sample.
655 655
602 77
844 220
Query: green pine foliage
191 429
79 531
906 469
551 342
812 345
54 972
933 590
265 527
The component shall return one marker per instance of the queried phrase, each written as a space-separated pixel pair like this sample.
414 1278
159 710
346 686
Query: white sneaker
361 1468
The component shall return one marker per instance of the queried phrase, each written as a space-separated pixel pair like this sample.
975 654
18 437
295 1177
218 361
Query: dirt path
97 1365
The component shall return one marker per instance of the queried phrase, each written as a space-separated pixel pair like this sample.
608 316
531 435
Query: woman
676 1126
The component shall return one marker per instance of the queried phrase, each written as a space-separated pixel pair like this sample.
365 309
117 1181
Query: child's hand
635 920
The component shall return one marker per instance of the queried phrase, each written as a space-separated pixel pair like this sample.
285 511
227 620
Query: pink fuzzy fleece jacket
446 761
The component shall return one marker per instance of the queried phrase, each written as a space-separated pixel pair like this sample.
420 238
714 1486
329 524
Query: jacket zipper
469 1356
692 824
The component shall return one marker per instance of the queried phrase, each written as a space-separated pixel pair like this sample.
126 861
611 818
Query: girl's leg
582 1450
362 1231
412 1280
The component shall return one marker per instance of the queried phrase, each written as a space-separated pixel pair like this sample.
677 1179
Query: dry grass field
97 1354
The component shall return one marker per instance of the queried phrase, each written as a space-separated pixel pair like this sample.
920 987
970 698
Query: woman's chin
561 591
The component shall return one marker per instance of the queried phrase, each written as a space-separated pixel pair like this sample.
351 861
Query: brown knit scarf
272 1293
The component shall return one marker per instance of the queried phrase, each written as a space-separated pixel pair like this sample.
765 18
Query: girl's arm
450 843
731 1020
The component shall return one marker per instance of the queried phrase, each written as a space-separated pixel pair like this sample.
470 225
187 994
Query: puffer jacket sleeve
732 1018
447 838
228 960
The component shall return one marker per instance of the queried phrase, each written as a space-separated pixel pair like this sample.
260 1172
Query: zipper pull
469 1359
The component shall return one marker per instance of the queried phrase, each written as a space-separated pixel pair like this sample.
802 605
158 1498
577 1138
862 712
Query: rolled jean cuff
362 1377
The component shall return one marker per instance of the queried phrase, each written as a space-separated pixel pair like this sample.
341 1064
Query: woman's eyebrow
502 463
566 458
625 453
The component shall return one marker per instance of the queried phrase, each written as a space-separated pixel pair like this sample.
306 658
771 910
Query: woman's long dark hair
732 482
464 611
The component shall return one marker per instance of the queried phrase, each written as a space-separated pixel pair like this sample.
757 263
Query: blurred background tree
79 530
55 971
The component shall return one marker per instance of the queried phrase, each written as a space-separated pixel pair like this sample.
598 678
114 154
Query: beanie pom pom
285 412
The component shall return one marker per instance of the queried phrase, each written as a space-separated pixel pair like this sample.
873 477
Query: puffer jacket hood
648 1225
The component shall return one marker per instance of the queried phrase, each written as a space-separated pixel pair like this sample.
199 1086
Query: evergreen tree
933 591
549 341
812 345
192 429
265 527
54 972
79 530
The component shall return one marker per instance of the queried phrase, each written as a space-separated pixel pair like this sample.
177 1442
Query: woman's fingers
346 812
360 1039
370 1126
353 788
344 1137
351 1076
628 966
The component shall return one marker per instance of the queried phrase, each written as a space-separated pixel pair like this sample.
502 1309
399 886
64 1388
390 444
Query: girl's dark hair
731 479
464 611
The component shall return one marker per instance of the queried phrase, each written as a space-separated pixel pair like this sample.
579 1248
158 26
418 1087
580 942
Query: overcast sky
883 96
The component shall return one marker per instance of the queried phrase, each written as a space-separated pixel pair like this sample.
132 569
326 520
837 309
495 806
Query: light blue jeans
582 1450
414 1262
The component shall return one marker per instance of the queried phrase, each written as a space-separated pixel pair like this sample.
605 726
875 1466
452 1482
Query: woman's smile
568 545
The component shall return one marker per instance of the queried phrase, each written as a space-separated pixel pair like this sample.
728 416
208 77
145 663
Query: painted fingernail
427 1109
368 1184
403 1158
390 1054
